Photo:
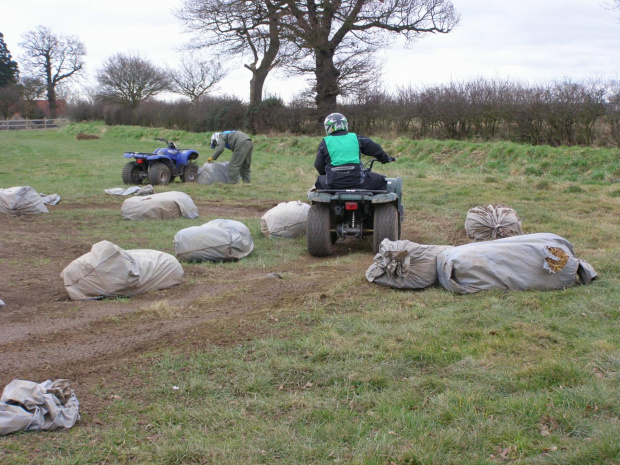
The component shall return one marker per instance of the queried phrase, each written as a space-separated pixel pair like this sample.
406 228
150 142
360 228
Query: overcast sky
528 40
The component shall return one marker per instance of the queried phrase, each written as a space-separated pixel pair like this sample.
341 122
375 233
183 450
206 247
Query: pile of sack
164 206
107 270
504 258
287 219
213 172
217 240
540 261
485 223
24 200
29 406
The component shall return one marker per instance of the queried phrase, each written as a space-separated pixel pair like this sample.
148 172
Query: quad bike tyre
159 174
190 173
131 173
318 236
386 225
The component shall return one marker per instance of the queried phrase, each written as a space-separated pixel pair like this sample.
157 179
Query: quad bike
359 213
161 166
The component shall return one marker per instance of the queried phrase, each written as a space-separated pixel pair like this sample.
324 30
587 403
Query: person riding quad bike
338 158
349 200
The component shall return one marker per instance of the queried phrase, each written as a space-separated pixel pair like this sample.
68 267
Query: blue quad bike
358 213
161 166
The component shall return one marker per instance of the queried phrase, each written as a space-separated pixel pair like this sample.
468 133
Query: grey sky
528 40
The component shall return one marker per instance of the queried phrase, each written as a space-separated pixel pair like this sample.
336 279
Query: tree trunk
51 87
326 83
259 76
51 100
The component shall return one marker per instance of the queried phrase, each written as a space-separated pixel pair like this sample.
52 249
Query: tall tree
330 28
129 80
240 28
195 77
56 58
9 72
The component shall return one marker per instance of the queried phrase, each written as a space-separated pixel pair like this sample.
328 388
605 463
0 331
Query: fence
45 123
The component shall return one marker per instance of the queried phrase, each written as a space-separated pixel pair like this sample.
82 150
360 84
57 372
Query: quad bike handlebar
368 165
170 144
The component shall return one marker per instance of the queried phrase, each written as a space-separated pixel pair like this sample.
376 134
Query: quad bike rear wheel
386 225
318 236
131 173
190 173
159 174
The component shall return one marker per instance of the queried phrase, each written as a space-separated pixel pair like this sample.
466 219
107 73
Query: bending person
241 159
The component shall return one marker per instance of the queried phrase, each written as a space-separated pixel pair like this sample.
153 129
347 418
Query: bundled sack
28 406
52 199
287 219
21 200
405 265
137 190
532 261
217 240
164 206
492 222
213 172
107 270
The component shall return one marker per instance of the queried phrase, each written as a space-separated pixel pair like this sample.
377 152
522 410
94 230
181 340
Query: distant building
42 107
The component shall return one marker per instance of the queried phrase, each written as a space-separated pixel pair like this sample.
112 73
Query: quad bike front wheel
190 173
131 173
159 174
318 235
386 225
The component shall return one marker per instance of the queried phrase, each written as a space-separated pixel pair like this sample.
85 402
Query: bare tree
329 28
240 28
358 71
613 4
195 77
129 80
54 57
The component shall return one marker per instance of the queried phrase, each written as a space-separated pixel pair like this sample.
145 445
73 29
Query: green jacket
230 140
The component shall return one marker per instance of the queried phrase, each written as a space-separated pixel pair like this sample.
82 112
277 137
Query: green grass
357 373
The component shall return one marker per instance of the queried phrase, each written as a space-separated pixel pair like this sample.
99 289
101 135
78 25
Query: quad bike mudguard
393 194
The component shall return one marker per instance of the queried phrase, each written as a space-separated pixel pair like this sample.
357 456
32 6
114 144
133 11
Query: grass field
349 372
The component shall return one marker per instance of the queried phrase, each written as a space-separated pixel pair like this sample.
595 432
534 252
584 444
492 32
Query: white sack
162 206
145 190
217 240
28 406
405 265
108 270
515 263
21 200
492 222
213 172
52 199
287 219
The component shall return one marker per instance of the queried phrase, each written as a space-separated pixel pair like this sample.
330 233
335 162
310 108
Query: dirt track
45 335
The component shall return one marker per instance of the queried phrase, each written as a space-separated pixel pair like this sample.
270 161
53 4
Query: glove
210 160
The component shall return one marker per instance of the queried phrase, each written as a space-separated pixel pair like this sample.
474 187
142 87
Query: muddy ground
45 335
